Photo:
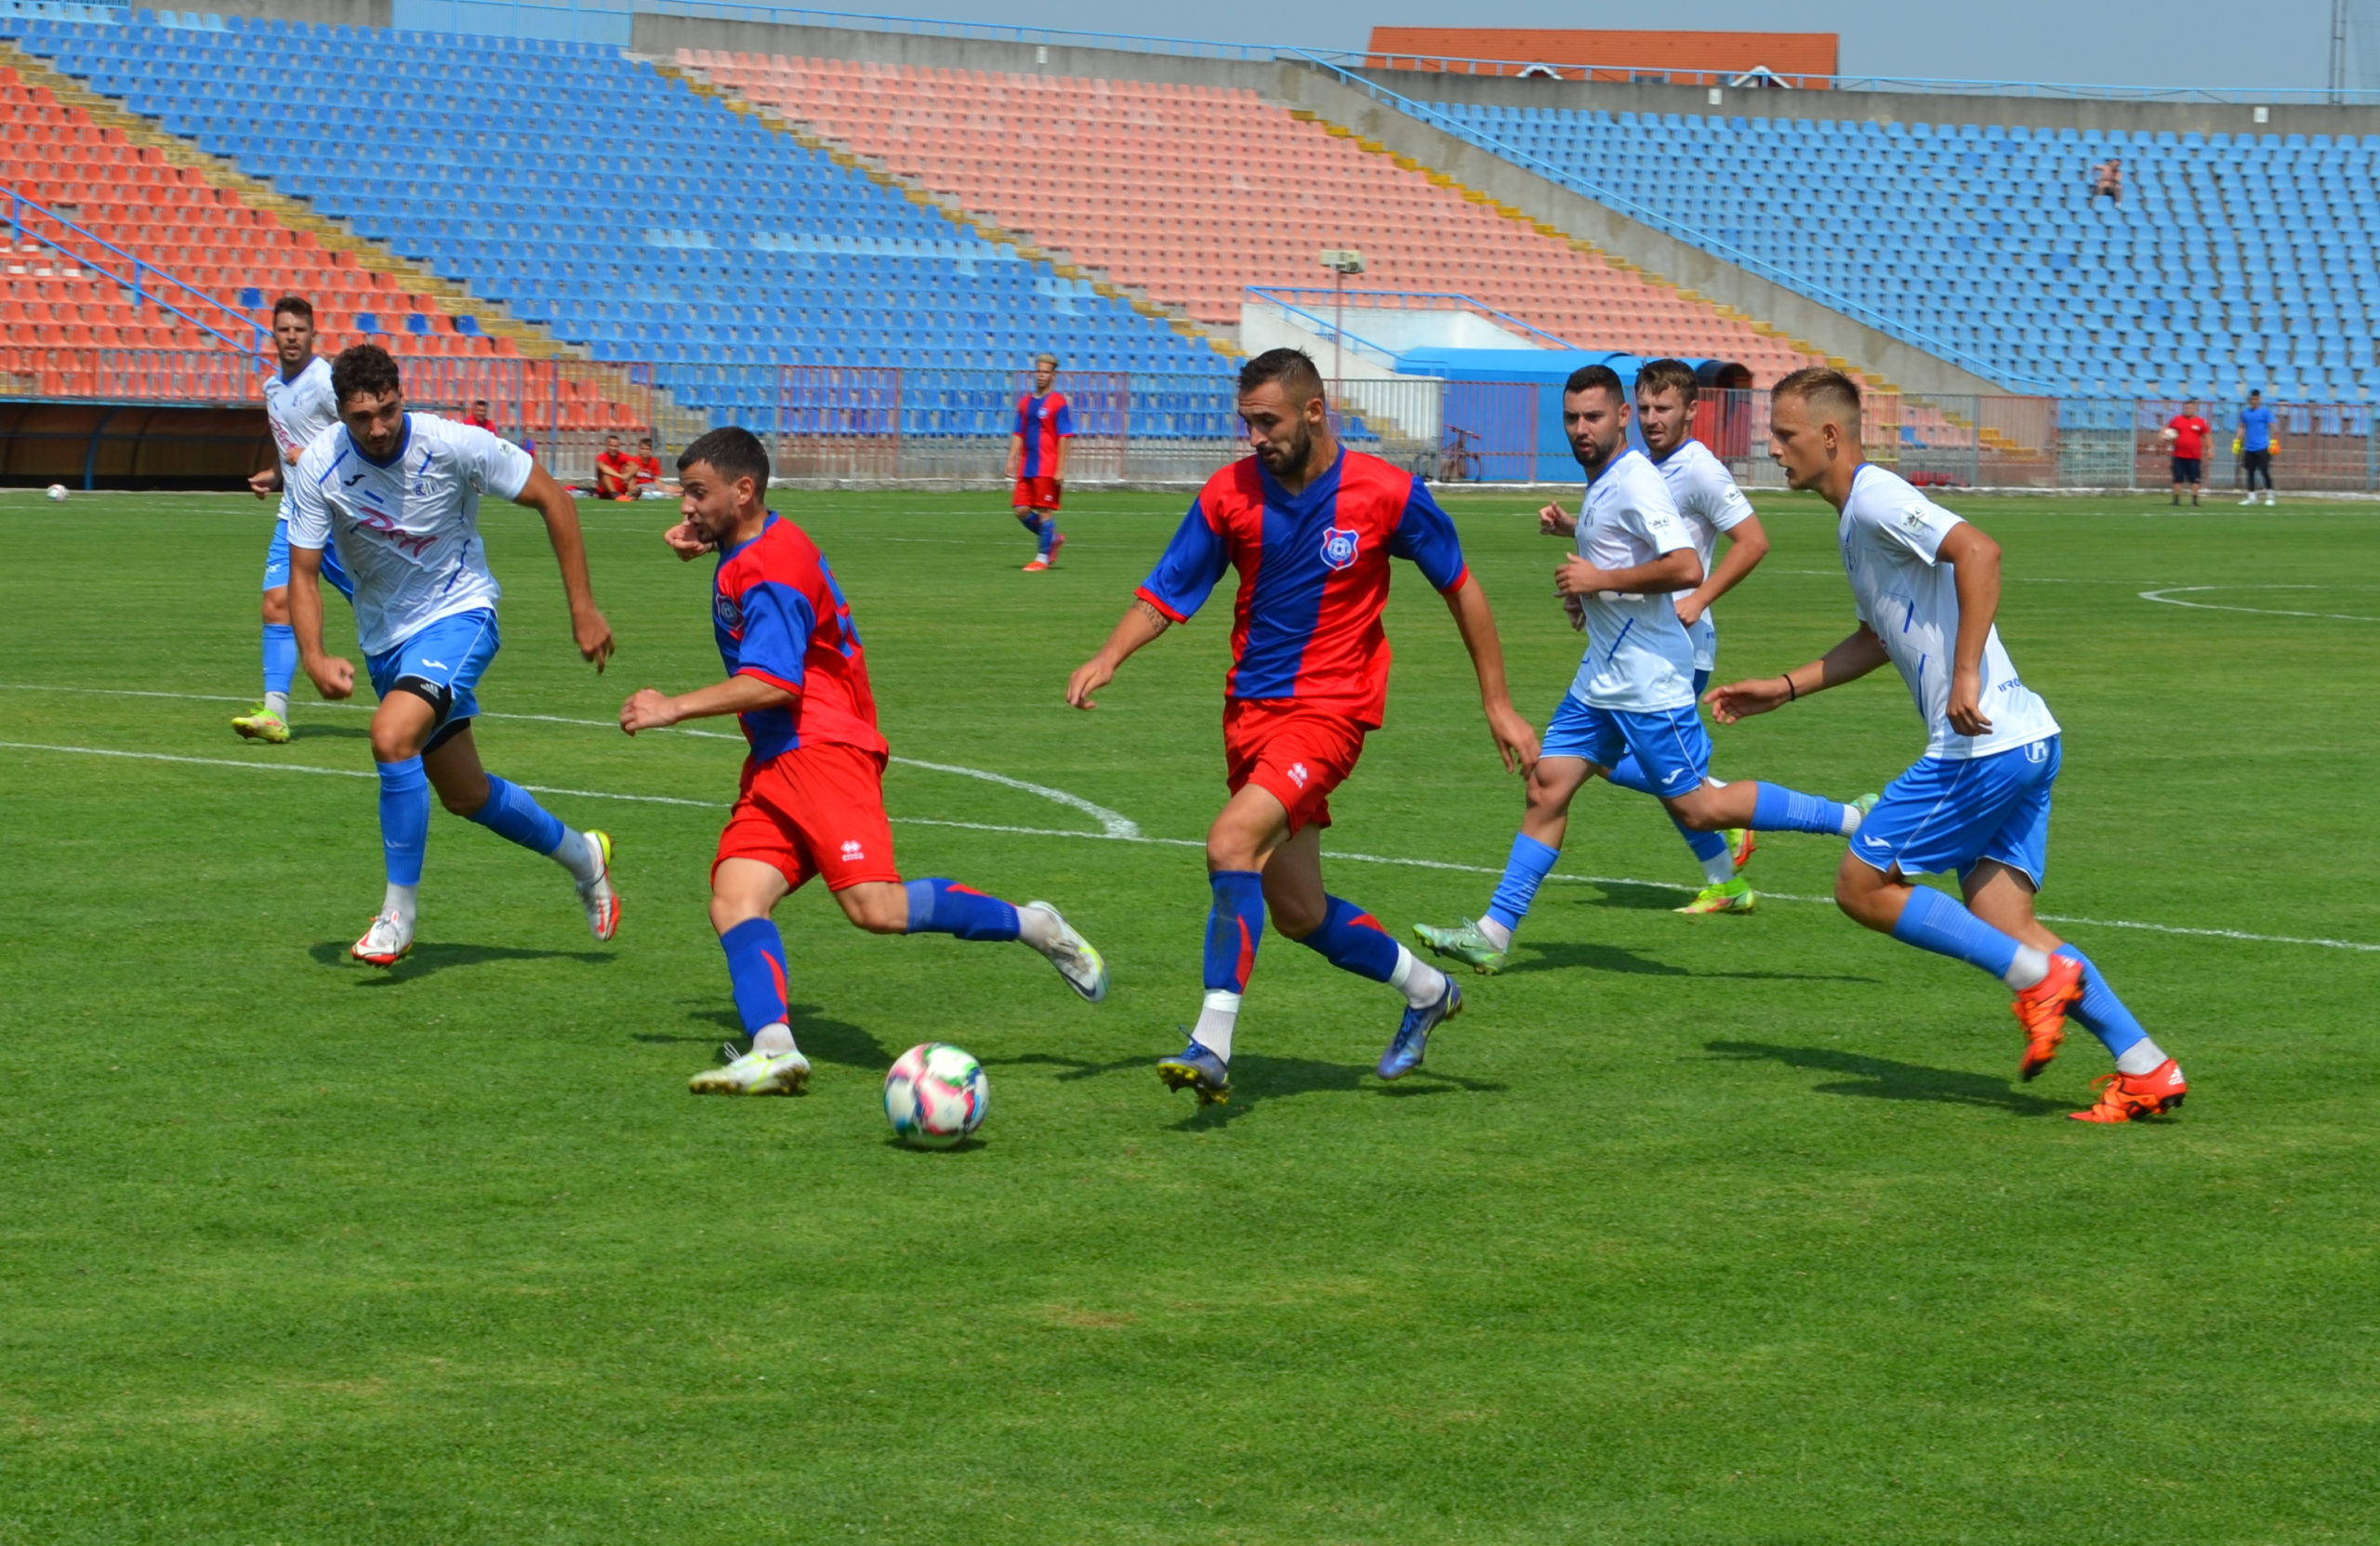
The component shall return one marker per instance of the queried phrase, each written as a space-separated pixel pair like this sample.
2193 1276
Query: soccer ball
2169 433
57 491
935 1095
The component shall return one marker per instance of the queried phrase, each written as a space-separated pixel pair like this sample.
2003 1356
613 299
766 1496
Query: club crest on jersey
1339 546
729 613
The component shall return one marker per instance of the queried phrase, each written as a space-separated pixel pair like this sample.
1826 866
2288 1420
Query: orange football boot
2129 1097
2041 1009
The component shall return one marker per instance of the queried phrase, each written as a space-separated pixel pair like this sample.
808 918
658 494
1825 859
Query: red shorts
1297 754
814 811
1035 493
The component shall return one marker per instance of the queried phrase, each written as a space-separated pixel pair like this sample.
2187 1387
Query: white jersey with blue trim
407 530
1638 655
1891 536
298 409
1710 502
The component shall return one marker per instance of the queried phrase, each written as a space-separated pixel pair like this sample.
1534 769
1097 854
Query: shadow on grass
1558 956
821 1040
1256 1078
429 956
311 731
1882 1079
1643 897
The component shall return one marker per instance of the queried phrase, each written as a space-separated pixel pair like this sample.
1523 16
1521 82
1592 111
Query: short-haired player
1632 699
812 800
1926 585
1036 460
396 495
1308 682
297 406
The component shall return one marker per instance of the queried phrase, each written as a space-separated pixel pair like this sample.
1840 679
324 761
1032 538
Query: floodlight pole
2338 51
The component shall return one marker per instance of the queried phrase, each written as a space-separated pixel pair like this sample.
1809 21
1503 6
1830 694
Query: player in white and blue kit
297 406
1927 587
396 495
1633 695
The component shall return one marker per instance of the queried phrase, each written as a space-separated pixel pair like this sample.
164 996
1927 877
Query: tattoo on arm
1152 613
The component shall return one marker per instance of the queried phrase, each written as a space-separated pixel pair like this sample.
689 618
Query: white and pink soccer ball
935 1095
57 491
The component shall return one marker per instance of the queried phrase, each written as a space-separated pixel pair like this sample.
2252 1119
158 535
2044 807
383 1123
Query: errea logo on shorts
1298 775
853 852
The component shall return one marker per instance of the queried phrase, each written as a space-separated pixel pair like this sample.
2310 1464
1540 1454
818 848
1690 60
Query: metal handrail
18 204
1273 293
1691 235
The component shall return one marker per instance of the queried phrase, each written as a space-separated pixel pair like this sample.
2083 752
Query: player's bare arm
553 502
333 676
1016 457
1515 740
1552 520
1140 625
1747 545
1670 572
1855 657
649 709
688 542
1974 566
265 482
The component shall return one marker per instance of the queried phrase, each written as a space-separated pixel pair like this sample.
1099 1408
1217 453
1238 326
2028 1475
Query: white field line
2166 597
1142 840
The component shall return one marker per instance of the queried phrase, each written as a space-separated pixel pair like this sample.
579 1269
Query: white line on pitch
1143 839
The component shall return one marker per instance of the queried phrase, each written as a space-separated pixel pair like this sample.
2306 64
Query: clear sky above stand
2253 43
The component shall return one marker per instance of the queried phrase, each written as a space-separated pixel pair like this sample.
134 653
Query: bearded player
1926 586
812 800
1311 528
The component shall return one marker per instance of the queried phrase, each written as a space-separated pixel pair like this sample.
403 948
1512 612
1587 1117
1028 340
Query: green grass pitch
1733 1230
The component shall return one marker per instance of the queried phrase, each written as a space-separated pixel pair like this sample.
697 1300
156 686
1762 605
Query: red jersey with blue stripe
1313 576
780 616
1039 422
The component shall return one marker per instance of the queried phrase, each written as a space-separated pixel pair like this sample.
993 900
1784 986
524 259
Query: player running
1926 586
812 801
398 495
1037 460
298 405
1311 528
1632 700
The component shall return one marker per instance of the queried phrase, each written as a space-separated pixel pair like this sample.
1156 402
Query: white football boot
1078 961
601 901
785 1073
385 943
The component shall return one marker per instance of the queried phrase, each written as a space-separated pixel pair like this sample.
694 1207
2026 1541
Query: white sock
399 902
2026 970
2139 1058
1851 819
773 1039
1495 933
1720 867
576 854
277 704
1216 1017
1037 927
1419 982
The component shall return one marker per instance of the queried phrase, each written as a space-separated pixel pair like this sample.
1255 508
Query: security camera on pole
1341 261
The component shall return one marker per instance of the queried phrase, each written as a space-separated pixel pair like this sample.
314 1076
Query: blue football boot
1412 1038
1196 1068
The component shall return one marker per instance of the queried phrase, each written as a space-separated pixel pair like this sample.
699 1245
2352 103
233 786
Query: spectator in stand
477 418
2188 433
2107 177
2256 444
615 471
648 469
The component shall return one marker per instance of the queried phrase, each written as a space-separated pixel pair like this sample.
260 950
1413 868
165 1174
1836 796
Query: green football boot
1464 943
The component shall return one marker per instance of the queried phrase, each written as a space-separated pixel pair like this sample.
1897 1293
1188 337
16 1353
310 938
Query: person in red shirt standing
1037 460
2189 432
812 800
1311 528
615 471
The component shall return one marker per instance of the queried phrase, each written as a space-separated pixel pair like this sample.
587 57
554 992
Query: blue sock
404 819
1352 940
1523 872
1707 847
947 907
1778 809
280 658
1629 775
1936 922
1033 523
756 970
512 814
1234 926
1049 533
2100 1011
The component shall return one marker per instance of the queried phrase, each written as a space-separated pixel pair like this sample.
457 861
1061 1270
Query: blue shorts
1942 817
449 656
276 564
1670 745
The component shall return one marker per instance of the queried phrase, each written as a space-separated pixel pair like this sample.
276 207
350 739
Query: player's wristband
1791 695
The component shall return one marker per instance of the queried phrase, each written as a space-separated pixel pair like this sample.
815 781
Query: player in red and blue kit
812 801
1311 528
1037 460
